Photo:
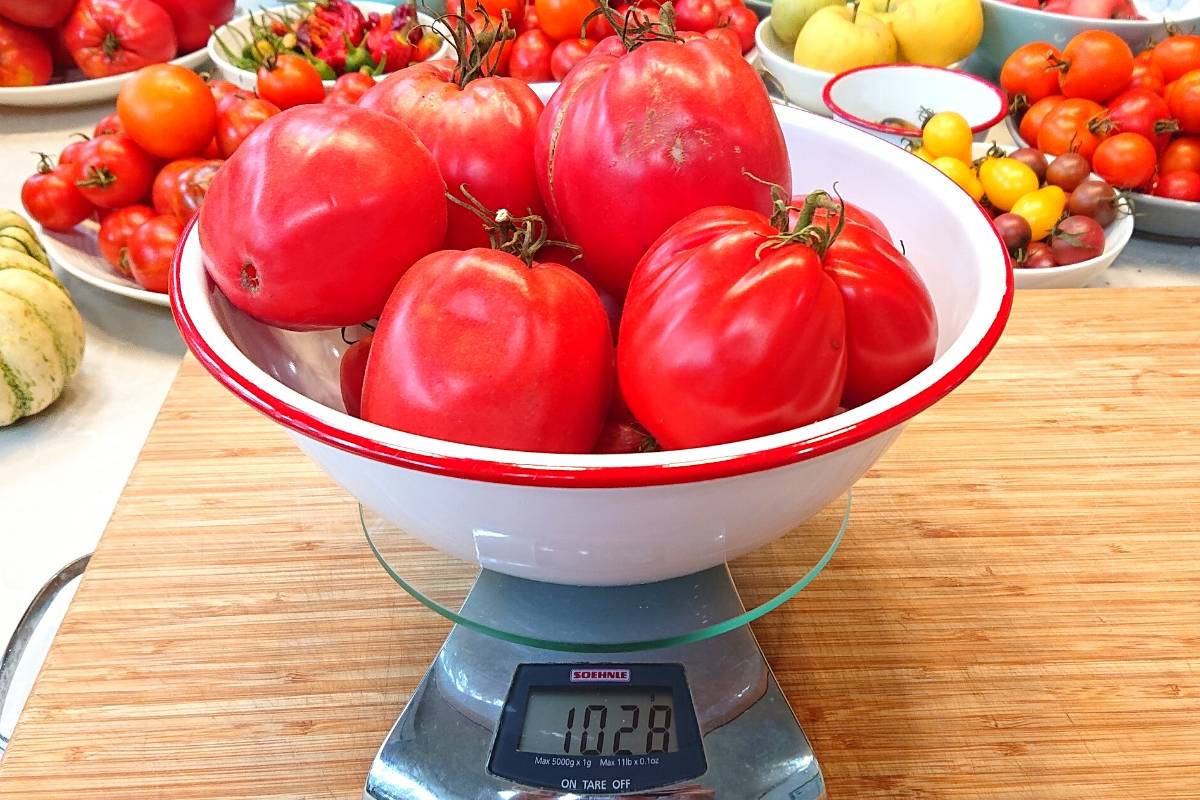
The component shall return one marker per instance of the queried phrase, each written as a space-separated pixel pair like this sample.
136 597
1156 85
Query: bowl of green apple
803 44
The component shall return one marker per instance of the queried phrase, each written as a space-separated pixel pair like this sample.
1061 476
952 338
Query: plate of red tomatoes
71 52
1135 119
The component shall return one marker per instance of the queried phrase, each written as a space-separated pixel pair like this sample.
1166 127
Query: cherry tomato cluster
334 37
1134 119
622 269
1096 9
41 40
549 37
1050 212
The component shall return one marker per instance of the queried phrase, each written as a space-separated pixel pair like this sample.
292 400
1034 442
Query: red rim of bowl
838 111
687 471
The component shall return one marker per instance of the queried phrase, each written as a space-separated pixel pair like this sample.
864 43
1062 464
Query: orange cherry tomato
1181 155
1066 128
1031 123
1098 64
1029 71
168 110
563 19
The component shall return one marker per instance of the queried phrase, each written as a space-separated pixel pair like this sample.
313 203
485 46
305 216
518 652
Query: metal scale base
439 748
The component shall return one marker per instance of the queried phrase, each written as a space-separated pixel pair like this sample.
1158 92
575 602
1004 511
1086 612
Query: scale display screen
614 728
594 721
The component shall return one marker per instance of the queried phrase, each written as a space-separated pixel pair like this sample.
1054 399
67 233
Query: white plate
81 92
78 253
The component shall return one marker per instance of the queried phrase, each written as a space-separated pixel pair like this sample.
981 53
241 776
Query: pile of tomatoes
1049 211
40 39
621 269
334 36
1134 119
551 36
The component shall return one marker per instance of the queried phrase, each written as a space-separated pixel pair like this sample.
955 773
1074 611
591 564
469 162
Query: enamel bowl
866 96
624 519
247 79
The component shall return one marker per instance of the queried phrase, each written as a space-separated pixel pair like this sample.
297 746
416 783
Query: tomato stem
45 163
522 237
110 45
478 52
97 176
635 27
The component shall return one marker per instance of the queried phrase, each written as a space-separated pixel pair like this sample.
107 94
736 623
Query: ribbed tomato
481 134
678 126
108 37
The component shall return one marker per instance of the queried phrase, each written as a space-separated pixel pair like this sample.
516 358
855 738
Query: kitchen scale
546 691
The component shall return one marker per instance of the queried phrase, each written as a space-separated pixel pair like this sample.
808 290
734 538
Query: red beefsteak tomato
192 19
480 134
891 325
318 214
483 348
108 37
728 335
25 58
676 126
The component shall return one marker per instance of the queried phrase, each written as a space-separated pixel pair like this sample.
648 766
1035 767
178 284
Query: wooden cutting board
1015 612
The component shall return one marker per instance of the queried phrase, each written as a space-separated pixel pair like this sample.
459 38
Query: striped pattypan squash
41 332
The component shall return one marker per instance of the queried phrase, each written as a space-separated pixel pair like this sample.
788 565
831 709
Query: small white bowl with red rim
624 519
867 96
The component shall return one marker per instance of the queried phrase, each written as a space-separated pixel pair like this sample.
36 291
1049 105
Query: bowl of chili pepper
337 37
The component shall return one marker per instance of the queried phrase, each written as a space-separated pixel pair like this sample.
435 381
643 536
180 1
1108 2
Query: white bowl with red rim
867 96
623 519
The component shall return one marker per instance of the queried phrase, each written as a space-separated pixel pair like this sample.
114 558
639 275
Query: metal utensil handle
28 624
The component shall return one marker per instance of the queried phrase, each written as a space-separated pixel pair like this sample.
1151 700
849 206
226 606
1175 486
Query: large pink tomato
318 214
482 348
891 326
480 135
729 333
632 142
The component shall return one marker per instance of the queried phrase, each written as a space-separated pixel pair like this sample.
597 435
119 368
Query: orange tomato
563 19
1031 123
168 110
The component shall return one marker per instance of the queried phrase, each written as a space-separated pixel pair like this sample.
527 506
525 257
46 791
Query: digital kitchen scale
551 691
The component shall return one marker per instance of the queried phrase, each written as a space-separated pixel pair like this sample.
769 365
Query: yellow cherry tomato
1041 209
924 154
1006 180
961 174
948 134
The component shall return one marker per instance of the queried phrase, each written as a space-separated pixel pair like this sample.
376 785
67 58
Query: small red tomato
529 22
110 124
1177 55
1184 101
238 120
1147 76
1098 64
625 436
150 249
599 28
25 58
1140 111
695 15
350 88
52 198
113 171
288 80
1181 155
191 187
1039 256
742 21
1032 121
531 54
725 35
70 154
166 184
1179 185
115 230
1126 160
352 369
221 89
567 54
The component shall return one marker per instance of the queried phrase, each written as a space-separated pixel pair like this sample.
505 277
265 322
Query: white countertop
64 469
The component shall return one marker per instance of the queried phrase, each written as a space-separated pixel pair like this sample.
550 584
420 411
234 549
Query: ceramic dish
247 79
77 252
83 91
865 96
623 519
1161 216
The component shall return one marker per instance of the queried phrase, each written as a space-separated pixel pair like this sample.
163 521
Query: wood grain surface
1015 612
